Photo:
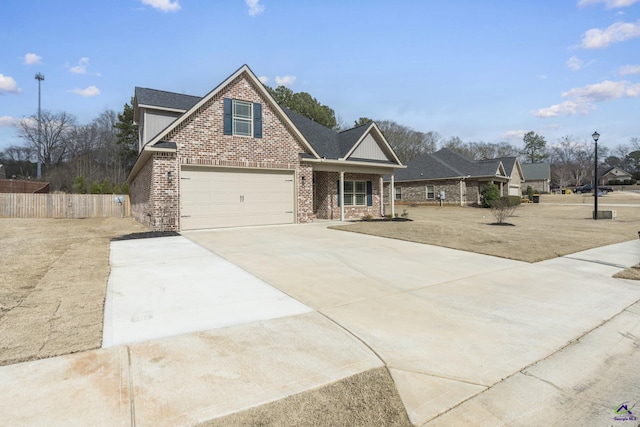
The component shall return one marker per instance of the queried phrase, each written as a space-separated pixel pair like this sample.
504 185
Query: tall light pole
39 78
595 137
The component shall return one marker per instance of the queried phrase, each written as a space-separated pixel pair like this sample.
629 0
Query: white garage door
514 190
216 197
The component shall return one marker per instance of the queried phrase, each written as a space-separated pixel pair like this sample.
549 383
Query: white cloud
514 134
620 31
9 122
565 108
629 69
264 79
163 5
574 63
581 100
81 68
285 80
32 59
609 4
255 8
598 92
8 85
87 92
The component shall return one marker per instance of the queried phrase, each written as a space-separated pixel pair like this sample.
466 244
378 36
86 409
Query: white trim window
430 192
398 193
355 193
242 118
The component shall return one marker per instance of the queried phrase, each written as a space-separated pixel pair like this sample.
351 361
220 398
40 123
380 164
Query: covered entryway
227 197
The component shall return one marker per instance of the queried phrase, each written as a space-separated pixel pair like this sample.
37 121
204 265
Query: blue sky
487 70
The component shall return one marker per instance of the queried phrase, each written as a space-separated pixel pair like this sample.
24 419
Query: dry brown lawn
53 279
558 225
54 272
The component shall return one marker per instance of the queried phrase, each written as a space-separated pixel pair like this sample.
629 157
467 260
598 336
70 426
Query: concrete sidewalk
468 338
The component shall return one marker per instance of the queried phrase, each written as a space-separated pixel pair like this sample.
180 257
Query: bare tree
406 142
51 147
20 159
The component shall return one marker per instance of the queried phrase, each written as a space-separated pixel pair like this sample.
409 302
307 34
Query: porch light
169 177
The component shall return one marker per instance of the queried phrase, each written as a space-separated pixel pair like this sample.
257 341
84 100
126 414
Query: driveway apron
448 324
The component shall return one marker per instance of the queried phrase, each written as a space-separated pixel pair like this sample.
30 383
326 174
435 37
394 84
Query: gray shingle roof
536 171
447 164
327 142
160 98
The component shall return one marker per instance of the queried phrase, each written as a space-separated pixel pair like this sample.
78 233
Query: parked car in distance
588 188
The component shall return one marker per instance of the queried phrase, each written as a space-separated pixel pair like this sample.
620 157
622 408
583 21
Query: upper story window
242 118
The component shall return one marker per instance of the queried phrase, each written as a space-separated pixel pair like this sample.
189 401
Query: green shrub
530 192
79 185
512 200
490 195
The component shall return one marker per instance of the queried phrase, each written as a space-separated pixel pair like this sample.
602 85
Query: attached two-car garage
226 197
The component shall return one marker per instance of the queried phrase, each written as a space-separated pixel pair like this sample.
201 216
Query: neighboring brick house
614 176
236 158
457 178
538 176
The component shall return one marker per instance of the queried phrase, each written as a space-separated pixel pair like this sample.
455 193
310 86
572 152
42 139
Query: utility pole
39 78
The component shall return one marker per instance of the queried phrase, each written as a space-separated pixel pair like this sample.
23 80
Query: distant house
459 179
613 176
538 176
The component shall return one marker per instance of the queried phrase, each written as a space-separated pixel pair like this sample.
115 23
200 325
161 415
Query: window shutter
369 193
257 120
338 187
228 116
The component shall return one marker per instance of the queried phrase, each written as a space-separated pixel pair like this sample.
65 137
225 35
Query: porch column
381 196
461 193
392 197
341 195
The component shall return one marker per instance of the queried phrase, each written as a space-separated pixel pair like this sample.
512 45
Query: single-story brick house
613 175
452 175
236 158
538 176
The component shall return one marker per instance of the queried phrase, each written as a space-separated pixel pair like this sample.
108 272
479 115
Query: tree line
98 156
90 158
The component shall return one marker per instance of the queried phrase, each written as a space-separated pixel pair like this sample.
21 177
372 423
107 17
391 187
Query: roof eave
144 157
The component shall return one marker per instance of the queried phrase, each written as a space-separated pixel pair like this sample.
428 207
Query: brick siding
326 196
200 140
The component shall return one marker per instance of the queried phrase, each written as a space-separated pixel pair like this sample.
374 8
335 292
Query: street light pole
595 137
39 78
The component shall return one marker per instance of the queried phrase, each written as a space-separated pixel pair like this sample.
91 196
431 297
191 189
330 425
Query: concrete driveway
456 327
468 339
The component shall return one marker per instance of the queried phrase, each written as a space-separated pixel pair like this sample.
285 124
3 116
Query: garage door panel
213 198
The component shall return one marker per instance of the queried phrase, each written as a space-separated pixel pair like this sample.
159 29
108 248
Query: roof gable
246 73
333 145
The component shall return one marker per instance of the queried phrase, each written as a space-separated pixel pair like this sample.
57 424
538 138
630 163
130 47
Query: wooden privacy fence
21 205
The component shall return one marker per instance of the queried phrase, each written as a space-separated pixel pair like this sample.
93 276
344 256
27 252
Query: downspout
392 197
341 195
381 184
